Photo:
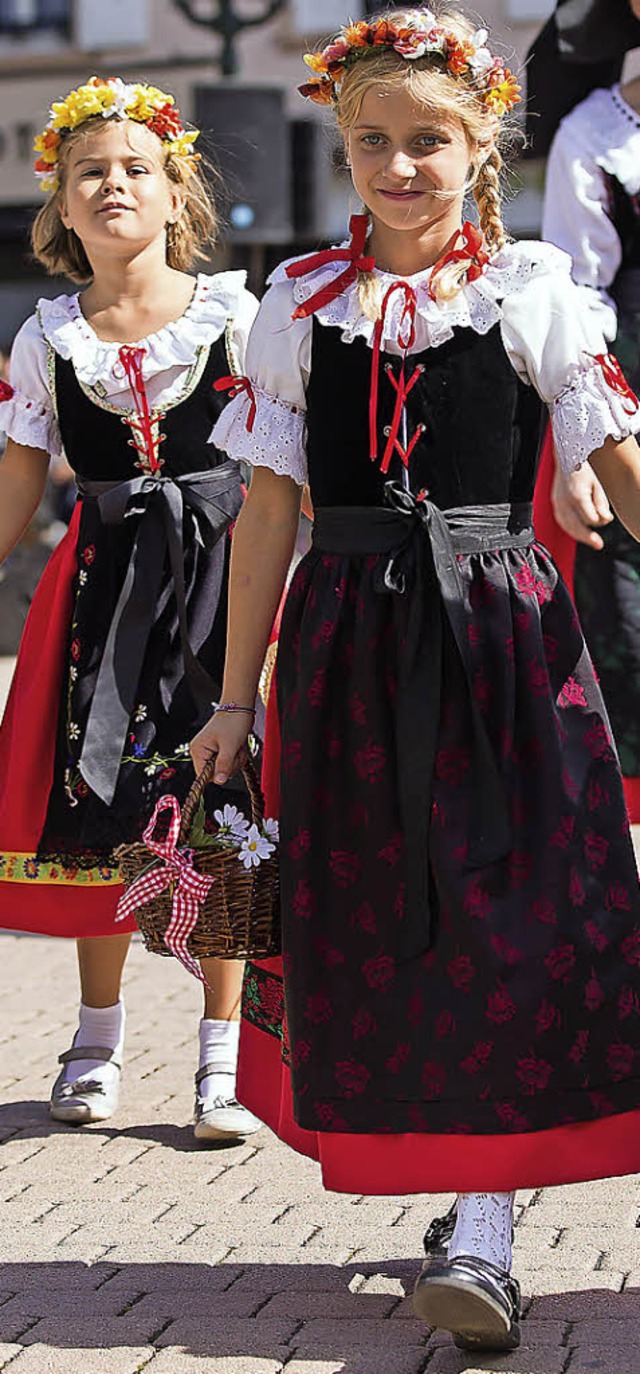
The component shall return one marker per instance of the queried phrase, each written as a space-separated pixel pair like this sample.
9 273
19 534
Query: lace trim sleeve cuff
588 411
31 423
265 432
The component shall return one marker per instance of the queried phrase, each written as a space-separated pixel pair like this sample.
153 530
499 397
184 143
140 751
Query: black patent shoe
476 1301
439 1233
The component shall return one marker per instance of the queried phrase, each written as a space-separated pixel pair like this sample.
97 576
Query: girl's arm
263 543
23 474
579 504
617 466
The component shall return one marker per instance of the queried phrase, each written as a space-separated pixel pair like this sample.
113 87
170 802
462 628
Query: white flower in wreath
140 713
271 829
255 848
74 730
232 822
480 59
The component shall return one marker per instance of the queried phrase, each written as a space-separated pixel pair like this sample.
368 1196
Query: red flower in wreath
166 122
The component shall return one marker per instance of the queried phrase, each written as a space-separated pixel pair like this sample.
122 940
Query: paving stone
526 1360
178 1361
41 1359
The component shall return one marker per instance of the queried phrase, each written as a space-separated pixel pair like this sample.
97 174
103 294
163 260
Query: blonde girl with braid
458 881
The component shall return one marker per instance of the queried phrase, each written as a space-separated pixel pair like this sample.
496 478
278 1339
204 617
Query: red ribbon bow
131 358
352 254
236 386
470 251
189 887
6 391
406 339
615 378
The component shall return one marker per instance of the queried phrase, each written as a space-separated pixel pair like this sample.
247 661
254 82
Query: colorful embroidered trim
111 98
420 35
26 868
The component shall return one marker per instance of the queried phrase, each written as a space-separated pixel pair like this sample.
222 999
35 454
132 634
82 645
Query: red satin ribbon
6 391
615 378
189 887
236 386
352 254
470 251
131 359
406 339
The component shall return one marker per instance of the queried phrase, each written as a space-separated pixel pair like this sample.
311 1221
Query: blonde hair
451 97
61 251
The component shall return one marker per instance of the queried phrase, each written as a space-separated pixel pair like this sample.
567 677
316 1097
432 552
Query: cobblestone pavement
126 1247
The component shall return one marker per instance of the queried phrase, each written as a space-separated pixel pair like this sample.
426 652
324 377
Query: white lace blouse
550 335
601 135
219 303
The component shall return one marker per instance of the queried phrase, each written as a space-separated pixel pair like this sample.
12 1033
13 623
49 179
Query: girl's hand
580 505
225 735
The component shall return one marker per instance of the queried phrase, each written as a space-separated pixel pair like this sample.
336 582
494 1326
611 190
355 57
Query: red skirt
563 551
44 898
415 1163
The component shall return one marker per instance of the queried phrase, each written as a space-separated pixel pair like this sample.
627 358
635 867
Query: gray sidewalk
125 1247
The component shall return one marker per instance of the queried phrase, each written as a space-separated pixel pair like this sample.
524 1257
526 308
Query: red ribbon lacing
352 254
236 386
615 378
189 887
131 359
470 251
406 339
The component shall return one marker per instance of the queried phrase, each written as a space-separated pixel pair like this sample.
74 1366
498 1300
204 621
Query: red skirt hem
397 1164
35 905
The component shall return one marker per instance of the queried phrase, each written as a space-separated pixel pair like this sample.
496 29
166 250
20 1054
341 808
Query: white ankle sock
102 1026
483 1227
219 1041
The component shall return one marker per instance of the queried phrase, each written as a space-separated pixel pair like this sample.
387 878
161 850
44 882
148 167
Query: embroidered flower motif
140 713
73 730
89 554
254 848
572 694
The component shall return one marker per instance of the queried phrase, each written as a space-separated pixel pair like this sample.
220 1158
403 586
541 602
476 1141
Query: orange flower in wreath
321 92
504 94
357 35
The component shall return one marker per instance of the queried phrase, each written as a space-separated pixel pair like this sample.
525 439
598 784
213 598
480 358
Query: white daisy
271 829
232 821
254 848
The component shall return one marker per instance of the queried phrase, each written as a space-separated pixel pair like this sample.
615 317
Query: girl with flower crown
460 904
123 648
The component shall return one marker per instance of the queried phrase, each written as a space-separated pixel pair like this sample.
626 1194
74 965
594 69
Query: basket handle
197 788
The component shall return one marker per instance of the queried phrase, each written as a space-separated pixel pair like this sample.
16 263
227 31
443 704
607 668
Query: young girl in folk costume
592 211
123 649
460 906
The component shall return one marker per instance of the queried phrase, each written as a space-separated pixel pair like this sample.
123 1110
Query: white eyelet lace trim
587 412
483 1228
214 302
477 305
29 423
276 441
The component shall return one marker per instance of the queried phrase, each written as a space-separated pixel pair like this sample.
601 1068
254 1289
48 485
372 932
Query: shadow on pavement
31 1121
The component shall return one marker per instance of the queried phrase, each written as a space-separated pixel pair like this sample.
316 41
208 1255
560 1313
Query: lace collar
477 305
606 130
213 304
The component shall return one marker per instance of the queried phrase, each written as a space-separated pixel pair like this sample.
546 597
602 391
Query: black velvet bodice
97 439
483 424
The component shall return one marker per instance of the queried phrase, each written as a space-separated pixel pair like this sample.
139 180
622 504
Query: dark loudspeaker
248 130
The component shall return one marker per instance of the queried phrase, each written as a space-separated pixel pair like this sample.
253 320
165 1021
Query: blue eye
372 140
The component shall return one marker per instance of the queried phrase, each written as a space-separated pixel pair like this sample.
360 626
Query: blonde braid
488 200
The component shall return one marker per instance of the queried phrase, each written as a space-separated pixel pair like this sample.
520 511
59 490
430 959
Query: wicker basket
240 916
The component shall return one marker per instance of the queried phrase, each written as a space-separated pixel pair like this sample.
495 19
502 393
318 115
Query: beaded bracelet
233 706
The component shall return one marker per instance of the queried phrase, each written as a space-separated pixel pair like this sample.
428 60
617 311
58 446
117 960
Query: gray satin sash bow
422 542
212 499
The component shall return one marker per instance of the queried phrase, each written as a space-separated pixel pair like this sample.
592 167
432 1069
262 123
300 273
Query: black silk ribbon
422 543
211 499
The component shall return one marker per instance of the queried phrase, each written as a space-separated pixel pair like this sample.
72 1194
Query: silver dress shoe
85 1099
221 1118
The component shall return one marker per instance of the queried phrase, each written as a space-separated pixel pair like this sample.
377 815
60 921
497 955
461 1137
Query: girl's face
117 195
408 166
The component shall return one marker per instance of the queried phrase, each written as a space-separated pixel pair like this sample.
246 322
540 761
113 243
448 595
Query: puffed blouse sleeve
28 416
556 344
264 424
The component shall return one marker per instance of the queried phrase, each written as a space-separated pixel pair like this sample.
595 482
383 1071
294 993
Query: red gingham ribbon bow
615 378
235 386
189 891
352 254
470 251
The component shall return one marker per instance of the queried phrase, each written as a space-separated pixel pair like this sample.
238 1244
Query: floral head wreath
113 99
420 35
